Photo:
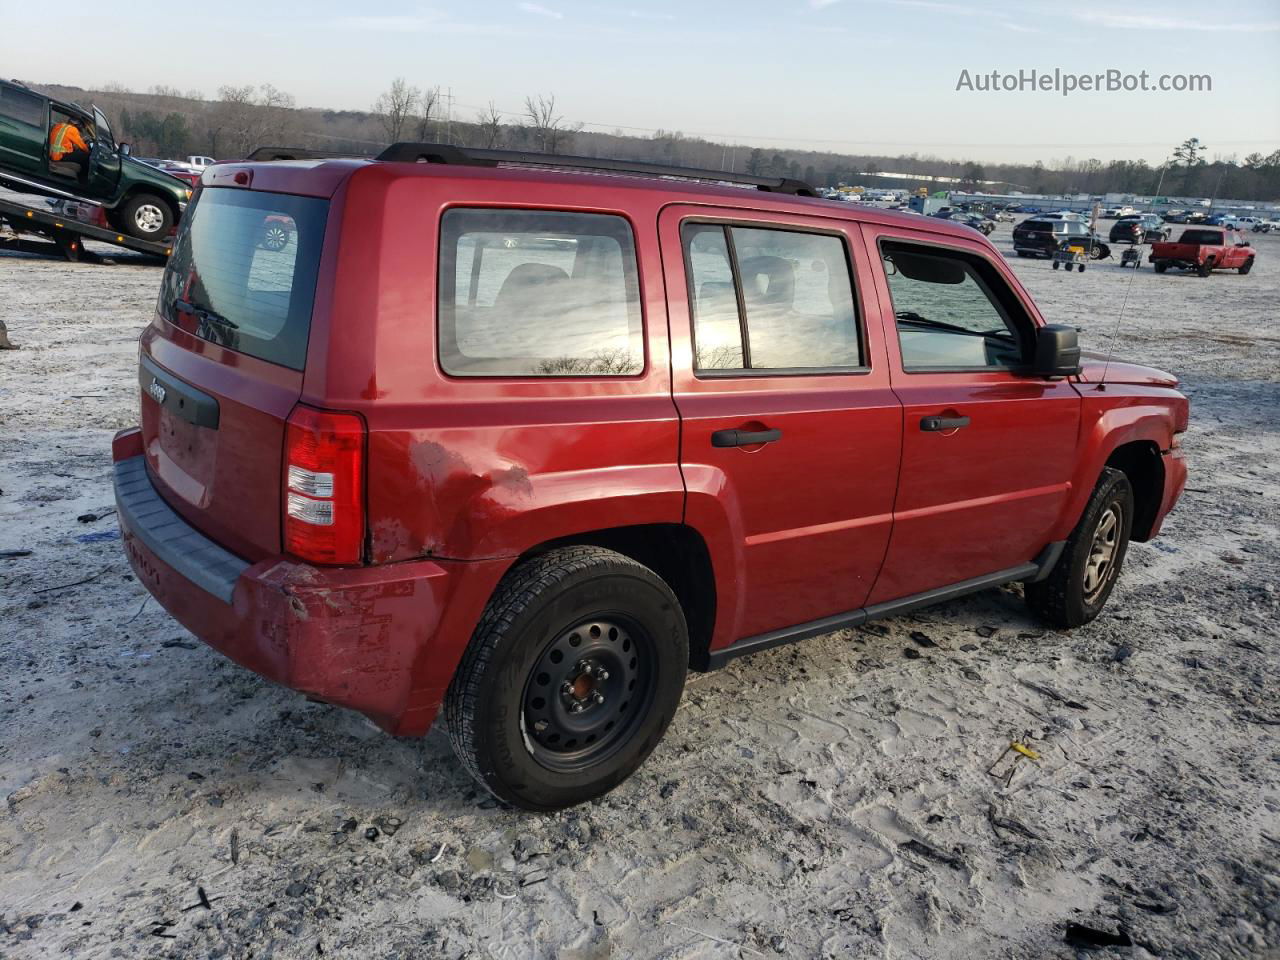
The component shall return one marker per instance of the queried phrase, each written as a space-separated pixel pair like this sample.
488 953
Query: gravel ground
829 799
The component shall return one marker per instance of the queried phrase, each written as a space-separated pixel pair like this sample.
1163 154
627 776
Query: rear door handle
935 424
744 438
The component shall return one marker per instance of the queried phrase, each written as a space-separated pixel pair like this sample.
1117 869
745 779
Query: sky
855 76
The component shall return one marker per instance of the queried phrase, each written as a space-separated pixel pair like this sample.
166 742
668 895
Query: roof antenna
1142 242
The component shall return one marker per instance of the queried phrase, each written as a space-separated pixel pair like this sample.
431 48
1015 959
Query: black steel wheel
587 691
571 678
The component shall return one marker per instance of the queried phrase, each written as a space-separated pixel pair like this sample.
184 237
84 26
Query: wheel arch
677 553
1140 461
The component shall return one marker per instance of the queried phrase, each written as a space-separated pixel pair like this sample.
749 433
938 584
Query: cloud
1018 27
819 4
1139 21
645 15
538 10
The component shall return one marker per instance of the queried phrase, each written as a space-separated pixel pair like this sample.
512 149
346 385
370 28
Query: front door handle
744 438
935 424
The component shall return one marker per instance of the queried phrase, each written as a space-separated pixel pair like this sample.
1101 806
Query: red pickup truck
521 447
1204 249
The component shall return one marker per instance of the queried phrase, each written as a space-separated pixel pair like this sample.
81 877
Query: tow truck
60 233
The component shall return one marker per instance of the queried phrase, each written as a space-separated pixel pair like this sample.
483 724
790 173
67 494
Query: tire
574 624
1055 264
275 237
1246 266
1160 266
1077 588
1205 268
146 217
1082 268
1096 252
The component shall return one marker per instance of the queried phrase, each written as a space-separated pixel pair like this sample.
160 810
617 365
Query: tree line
167 122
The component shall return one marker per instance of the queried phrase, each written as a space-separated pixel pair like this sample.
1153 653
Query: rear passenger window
766 299
541 294
23 107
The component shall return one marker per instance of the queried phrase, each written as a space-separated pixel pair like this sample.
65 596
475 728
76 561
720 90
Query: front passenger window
948 313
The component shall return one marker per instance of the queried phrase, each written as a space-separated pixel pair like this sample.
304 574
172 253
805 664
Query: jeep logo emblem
156 391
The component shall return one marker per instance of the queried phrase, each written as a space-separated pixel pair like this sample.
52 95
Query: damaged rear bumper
368 638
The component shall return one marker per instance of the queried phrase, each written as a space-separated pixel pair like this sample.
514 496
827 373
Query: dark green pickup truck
39 154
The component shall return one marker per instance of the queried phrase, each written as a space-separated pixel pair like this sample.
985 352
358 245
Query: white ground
828 799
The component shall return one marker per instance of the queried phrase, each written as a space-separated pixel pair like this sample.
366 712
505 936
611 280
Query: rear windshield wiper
209 316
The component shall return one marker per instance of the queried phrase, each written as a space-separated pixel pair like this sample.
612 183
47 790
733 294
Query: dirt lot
824 800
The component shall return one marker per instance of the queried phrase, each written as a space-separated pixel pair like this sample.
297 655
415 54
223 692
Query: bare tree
489 124
547 126
394 107
248 117
428 100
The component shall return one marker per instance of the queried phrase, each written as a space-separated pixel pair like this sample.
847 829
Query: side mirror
1057 351
125 150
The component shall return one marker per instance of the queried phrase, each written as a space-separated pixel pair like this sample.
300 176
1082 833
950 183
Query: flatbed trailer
65 236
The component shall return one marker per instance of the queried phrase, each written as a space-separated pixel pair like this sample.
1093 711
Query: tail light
324 486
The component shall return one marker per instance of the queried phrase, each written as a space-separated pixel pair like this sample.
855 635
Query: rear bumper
375 639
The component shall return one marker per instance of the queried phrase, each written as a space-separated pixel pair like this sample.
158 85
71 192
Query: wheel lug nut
602 674
598 697
575 708
566 688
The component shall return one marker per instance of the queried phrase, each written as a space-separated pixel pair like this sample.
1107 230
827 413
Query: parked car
524 446
1116 213
1043 236
977 221
1141 228
1267 226
174 168
138 199
1203 250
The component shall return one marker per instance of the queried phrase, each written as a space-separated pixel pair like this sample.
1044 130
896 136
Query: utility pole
448 136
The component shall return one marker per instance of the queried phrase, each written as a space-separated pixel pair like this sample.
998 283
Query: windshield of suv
243 272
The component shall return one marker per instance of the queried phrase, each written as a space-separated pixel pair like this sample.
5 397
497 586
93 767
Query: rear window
1201 237
243 272
1038 226
526 293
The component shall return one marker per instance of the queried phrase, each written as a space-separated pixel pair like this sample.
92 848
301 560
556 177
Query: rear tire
1160 266
1205 268
1081 581
562 629
146 217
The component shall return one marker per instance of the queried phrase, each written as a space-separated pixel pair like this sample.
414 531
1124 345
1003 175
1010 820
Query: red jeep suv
525 438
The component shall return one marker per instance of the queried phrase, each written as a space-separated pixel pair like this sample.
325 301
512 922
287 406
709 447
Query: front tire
1246 266
146 217
1081 581
570 680
1205 268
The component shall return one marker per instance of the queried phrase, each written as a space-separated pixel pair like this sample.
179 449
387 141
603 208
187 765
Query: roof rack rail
299 153
469 156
